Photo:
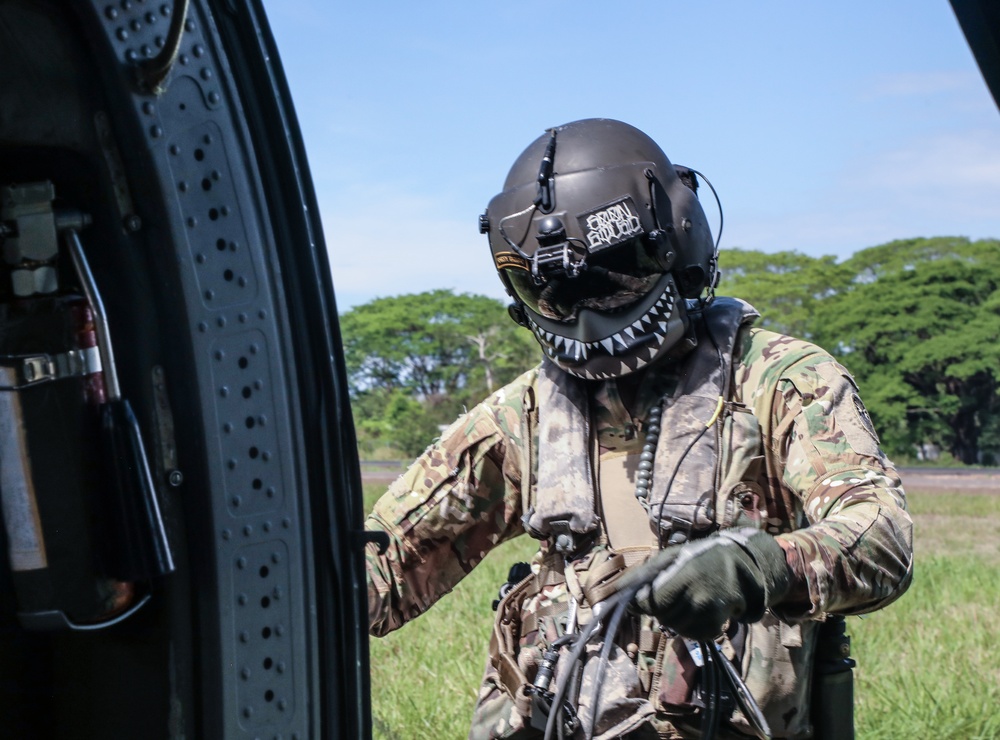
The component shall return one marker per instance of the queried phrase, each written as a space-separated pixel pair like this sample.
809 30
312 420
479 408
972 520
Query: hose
152 72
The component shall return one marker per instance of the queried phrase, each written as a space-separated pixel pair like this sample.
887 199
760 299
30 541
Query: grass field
927 665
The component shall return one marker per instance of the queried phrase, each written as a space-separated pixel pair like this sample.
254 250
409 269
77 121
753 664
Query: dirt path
967 480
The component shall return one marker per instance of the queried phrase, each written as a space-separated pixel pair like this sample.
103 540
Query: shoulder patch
864 420
850 412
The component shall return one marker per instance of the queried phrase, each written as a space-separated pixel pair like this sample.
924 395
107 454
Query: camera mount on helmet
555 256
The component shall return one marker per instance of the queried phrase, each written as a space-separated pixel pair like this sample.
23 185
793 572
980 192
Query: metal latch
42 368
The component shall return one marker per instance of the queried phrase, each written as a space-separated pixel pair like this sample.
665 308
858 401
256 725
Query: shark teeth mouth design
647 333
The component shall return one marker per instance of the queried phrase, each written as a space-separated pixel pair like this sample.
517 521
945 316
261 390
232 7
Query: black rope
718 238
617 604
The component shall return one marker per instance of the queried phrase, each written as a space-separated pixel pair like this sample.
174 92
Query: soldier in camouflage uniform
662 434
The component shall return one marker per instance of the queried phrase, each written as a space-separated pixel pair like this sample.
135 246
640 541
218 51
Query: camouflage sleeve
457 501
855 554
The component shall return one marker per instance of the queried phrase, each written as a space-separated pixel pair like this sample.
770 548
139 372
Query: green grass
425 675
955 504
927 665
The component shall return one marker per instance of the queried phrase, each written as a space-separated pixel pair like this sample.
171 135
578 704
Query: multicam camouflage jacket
824 489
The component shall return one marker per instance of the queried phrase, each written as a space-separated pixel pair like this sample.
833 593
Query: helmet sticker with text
610 224
510 260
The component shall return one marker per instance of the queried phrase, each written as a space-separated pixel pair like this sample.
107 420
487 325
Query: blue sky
826 128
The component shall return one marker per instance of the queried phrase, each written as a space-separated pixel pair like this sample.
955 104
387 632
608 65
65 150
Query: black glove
696 587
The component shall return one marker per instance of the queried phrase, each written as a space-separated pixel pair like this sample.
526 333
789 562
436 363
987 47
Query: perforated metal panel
267 683
236 432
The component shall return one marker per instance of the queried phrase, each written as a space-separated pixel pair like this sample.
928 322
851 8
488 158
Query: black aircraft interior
181 553
181 504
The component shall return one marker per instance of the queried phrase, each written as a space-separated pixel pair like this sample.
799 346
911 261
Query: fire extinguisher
80 512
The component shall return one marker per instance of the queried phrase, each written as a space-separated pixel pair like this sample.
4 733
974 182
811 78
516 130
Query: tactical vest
705 476
708 446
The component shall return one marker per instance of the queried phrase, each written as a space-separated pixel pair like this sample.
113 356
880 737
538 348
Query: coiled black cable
624 599
712 688
559 695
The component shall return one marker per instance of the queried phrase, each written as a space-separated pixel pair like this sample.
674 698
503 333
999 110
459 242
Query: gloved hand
696 587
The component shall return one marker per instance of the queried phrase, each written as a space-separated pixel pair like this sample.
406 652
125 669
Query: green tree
901 255
415 361
920 328
407 427
786 287
433 343
916 320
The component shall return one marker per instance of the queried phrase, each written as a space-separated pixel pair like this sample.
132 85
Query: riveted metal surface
206 245
236 434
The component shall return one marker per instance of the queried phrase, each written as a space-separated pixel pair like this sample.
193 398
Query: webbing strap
530 622
503 645
602 579
654 684
604 570
574 586
511 678
528 461
649 640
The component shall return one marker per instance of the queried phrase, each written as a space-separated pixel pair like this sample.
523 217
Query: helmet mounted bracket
545 198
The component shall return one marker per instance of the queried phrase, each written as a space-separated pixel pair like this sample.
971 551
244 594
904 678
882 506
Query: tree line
916 321
416 361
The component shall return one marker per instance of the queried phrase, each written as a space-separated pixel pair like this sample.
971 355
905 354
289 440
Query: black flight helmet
599 242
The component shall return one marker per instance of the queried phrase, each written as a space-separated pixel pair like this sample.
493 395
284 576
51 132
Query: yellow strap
718 410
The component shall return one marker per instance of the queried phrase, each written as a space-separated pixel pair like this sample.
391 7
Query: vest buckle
563 538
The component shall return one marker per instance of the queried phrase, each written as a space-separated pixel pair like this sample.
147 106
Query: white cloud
921 84
961 162
941 184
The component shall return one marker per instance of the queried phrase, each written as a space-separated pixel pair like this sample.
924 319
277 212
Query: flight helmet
599 240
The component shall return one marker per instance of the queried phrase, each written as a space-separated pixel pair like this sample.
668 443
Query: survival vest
705 470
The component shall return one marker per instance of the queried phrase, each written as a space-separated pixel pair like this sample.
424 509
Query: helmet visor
613 280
